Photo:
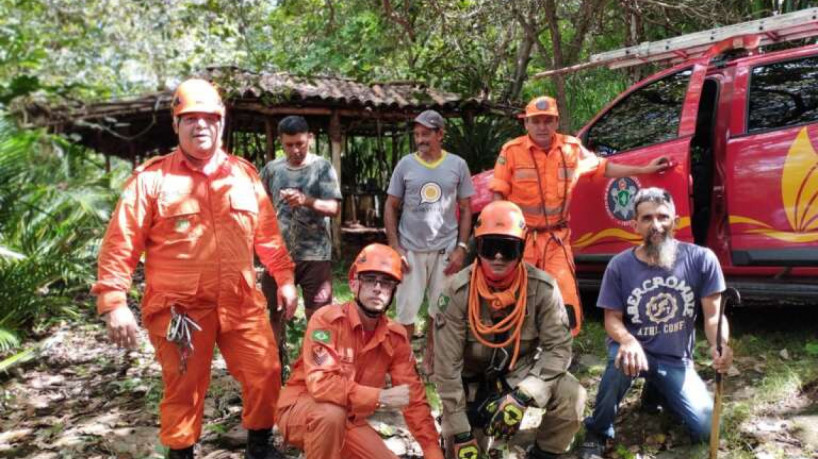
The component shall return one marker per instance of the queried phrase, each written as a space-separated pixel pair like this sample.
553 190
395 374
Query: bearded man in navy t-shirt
650 295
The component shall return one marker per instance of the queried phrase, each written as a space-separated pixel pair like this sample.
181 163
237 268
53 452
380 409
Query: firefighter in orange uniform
338 381
538 172
197 214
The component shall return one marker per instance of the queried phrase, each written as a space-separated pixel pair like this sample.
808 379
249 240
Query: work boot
260 446
536 453
592 447
184 453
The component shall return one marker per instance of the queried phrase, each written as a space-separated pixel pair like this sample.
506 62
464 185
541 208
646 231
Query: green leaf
8 340
812 348
17 358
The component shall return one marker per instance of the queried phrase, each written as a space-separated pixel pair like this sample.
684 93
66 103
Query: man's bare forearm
464 225
614 170
390 221
327 207
615 327
711 306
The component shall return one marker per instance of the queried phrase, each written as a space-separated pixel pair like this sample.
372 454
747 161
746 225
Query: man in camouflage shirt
305 192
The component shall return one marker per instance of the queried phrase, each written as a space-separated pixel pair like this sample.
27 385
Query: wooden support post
395 150
228 133
410 135
336 138
270 129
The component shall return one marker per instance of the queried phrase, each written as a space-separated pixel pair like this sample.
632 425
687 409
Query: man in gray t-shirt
305 193
430 186
650 295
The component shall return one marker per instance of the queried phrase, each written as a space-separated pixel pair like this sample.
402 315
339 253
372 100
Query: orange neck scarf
515 294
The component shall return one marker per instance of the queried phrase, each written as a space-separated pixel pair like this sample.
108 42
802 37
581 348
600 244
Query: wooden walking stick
730 294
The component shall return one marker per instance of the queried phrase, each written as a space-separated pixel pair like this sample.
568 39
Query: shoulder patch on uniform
321 335
150 162
322 356
501 160
443 302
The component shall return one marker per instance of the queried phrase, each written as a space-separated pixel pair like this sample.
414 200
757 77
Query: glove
506 415
466 447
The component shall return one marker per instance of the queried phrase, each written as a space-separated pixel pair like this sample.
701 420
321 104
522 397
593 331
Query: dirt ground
82 398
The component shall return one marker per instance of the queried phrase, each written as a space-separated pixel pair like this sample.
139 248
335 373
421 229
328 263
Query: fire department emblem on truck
619 198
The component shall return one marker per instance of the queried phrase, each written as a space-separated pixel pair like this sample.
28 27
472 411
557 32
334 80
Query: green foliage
54 201
479 141
812 348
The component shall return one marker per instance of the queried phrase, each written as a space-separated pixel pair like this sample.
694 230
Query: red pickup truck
741 128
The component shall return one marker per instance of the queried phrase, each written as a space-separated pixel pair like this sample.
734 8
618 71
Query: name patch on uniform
321 335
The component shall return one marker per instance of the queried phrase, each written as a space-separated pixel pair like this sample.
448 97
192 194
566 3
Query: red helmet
501 218
377 258
196 96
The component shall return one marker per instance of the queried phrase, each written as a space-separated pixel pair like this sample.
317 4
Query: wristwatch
463 246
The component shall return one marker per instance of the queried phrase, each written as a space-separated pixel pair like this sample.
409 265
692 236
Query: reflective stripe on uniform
538 210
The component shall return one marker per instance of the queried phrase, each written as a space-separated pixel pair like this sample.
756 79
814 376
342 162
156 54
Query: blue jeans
679 388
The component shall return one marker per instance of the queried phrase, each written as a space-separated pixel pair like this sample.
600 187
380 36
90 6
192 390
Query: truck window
783 94
645 117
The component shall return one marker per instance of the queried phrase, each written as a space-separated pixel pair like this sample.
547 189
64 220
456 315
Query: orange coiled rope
513 322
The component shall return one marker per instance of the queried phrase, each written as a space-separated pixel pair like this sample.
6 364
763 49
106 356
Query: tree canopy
97 49
55 196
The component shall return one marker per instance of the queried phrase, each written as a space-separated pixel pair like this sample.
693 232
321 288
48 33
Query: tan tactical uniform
541 370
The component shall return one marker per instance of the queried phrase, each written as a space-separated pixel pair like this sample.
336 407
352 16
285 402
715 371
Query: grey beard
663 253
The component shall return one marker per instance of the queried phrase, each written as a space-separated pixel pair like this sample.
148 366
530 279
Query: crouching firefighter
504 344
338 382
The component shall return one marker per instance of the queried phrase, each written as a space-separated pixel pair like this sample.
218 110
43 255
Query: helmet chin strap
368 312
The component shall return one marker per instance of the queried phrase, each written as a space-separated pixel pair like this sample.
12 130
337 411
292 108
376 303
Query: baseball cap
542 105
431 119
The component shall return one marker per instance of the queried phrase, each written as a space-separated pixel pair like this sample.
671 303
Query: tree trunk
556 47
336 138
521 66
635 34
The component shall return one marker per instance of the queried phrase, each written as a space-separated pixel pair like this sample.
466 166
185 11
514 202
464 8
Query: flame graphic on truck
618 234
799 195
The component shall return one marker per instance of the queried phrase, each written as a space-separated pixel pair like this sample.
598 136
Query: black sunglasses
509 249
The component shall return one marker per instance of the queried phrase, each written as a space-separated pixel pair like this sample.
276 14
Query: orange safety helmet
542 105
378 258
196 96
501 218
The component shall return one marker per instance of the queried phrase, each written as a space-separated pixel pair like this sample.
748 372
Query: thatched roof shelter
340 112
337 107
